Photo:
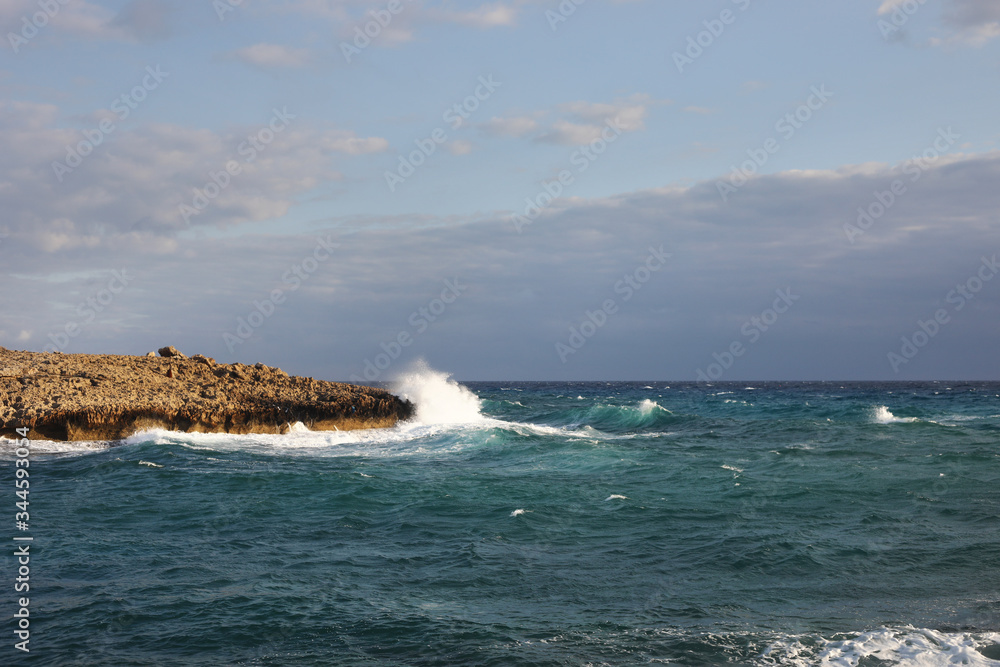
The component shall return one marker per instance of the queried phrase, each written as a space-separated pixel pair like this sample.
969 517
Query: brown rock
171 351
202 359
109 397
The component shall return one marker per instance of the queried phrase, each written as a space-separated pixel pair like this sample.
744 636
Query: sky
510 190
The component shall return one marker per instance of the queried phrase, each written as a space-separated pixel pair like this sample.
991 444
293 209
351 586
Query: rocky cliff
109 397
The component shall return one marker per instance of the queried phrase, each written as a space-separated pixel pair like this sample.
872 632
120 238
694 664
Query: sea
531 523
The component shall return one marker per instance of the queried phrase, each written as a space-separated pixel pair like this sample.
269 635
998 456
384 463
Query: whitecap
8 446
438 398
892 646
150 464
615 496
882 415
646 406
517 512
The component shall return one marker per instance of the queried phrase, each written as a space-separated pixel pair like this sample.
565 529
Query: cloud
589 119
975 22
486 15
400 28
969 22
525 290
129 188
513 126
459 147
575 123
145 20
272 55
137 21
565 133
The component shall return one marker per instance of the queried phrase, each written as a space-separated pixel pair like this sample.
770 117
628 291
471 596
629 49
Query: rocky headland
110 397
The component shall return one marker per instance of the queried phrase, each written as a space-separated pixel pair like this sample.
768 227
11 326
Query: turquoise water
536 524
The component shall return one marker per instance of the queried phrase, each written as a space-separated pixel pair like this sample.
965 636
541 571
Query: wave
620 418
442 405
448 418
8 447
905 645
882 415
438 398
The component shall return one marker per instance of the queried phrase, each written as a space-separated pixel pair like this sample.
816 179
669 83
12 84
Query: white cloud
571 134
589 119
975 35
487 15
888 6
129 190
272 55
459 147
629 114
513 126
348 15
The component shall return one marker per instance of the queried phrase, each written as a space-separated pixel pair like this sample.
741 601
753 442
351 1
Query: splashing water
438 398
883 416
647 406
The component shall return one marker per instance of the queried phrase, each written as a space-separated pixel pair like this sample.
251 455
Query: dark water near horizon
535 524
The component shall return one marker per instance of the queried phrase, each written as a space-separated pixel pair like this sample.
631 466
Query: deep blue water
555 524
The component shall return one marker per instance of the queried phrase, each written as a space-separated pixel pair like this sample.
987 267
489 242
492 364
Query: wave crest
882 415
438 398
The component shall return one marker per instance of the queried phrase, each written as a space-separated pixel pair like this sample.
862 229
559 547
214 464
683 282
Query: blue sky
228 143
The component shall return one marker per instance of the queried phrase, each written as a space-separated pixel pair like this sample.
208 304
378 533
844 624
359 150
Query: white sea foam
647 406
8 447
150 464
916 647
881 415
616 496
439 399
517 513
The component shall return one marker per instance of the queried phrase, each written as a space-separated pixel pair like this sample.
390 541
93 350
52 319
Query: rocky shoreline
110 397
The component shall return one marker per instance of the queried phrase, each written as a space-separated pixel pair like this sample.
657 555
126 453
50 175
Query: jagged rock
109 397
201 358
151 354
171 351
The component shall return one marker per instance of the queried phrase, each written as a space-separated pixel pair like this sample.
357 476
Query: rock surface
110 397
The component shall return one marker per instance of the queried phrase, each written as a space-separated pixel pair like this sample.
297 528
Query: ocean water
534 524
